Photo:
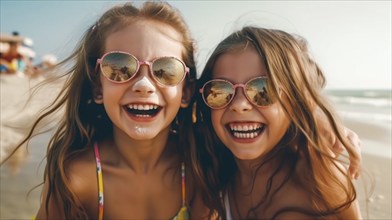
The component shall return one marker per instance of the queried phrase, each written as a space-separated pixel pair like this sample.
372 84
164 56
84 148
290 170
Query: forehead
239 66
146 39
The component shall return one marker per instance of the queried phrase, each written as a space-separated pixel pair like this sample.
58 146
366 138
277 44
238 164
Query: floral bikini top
183 214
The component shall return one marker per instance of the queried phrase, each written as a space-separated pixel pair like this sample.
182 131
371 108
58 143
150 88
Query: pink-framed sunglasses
120 67
218 93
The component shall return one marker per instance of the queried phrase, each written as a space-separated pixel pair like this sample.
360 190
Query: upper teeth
142 107
244 127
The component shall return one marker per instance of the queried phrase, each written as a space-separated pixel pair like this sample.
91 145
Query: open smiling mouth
144 111
246 131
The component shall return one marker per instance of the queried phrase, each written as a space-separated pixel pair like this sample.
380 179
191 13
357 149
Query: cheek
285 122
279 120
106 86
216 116
172 92
172 95
111 90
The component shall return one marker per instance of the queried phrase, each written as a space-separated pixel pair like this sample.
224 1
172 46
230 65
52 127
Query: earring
174 126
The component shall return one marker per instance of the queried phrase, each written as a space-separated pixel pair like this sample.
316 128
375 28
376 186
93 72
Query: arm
338 147
53 212
353 212
81 180
355 161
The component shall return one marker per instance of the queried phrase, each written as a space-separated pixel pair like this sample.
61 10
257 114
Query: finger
355 165
356 158
337 146
354 171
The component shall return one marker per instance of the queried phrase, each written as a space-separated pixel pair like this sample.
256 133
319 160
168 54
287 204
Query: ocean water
369 114
363 104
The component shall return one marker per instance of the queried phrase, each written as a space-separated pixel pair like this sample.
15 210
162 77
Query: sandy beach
374 185
24 171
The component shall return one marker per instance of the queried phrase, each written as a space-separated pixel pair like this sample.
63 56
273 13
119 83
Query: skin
241 113
140 173
244 191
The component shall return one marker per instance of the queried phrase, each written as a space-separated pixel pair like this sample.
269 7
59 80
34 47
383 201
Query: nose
143 83
240 103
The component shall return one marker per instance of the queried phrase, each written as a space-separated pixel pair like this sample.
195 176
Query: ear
98 99
187 92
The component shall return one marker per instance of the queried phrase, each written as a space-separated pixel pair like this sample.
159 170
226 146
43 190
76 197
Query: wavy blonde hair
293 74
84 121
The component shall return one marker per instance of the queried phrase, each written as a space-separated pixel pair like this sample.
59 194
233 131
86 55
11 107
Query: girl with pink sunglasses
121 150
266 155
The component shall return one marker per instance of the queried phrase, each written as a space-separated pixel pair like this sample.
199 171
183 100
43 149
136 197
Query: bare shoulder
336 192
293 199
81 178
82 175
50 210
339 195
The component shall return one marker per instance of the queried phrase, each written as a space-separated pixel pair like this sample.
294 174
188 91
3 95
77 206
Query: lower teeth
143 116
245 135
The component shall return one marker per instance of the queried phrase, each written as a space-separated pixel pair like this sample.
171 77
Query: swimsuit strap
183 184
100 181
183 213
227 206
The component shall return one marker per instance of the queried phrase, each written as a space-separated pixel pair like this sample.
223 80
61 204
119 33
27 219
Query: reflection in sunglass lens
256 90
168 70
119 67
218 93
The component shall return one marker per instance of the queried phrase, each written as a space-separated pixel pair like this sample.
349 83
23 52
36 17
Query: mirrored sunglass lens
119 67
168 71
218 93
256 90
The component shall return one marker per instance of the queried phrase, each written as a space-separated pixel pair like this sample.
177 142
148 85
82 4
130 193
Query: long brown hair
84 121
292 73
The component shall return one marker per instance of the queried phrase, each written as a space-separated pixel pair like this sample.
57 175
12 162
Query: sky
351 40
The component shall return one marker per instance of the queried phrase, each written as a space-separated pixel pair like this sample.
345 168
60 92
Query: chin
143 134
246 155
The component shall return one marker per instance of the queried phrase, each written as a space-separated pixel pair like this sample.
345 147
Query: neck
257 170
143 156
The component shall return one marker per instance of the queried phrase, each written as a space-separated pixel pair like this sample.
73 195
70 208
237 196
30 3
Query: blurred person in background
16 54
